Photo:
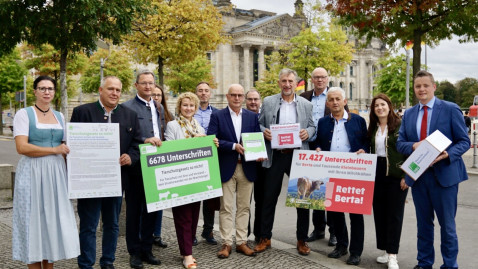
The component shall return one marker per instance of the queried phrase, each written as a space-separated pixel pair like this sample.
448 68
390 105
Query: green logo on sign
414 167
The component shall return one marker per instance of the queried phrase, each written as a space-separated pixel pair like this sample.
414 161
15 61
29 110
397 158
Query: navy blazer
448 118
355 126
221 126
130 136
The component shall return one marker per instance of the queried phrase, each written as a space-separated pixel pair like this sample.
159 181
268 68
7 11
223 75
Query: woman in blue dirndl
44 224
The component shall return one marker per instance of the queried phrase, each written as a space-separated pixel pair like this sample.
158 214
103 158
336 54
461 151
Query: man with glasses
253 103
203 115
283 108
237 175
139 223
317 97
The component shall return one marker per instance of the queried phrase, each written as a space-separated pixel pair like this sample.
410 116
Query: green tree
184 77
467 89
70 26
326 47
391 79
11 77
45 60
417 20
446 91
117 64
174 32
277 60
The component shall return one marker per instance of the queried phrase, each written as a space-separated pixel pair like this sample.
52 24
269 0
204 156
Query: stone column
247 68
262 62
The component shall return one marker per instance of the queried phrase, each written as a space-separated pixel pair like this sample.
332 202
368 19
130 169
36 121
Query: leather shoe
245 249
135 262
332 240
315 235
303 248
159 242
150 259
338 252
209 238
418 267
353 259
195 242
224 252
107 266
264 244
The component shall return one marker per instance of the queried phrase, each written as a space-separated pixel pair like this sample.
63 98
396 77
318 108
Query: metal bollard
475 165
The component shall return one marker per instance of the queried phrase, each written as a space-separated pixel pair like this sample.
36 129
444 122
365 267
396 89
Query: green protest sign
180 172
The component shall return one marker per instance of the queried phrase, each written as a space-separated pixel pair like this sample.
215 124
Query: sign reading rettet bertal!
335 181
180 172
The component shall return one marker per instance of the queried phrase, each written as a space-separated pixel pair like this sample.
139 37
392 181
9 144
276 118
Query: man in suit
317 96
139 223
283 108
341 131
436 190
253 103
106 110
237 175
203 116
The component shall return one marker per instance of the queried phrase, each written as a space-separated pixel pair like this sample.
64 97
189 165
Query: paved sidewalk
280 256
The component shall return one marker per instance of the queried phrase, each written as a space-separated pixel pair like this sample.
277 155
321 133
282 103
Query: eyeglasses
156 95
320 77
44 89
146 83
253 99
234 95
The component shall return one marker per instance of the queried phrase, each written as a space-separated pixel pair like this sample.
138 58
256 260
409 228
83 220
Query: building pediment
279 26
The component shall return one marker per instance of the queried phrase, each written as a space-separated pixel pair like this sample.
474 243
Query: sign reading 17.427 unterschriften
180 172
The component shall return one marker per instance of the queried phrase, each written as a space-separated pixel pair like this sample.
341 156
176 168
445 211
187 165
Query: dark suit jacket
356 132
130 136
221 126
448 118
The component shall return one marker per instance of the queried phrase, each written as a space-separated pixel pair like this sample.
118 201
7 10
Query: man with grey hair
139 223
343 132
253 101
106 110
283 108
237 175
317 96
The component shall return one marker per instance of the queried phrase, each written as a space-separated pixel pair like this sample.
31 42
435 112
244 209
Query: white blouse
380 141
21 124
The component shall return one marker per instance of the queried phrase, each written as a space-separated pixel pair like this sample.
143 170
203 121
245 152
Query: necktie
423 129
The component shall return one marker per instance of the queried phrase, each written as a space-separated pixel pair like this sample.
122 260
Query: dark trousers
186 222
139 223
388 209
89 212
356 231
273 183
258 199
208 212
320 221
430 198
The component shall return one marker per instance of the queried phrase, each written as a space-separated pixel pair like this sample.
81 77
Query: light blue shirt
203 117
340 140
318 109
429 116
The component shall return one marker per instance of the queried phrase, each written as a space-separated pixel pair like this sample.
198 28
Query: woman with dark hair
44 224
159 97
390 189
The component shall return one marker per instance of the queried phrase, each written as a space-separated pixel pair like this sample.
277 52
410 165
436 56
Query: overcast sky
450 61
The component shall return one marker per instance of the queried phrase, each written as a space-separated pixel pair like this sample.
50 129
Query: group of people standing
45 229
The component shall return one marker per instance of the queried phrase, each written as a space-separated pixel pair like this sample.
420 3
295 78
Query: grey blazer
145 118
268 116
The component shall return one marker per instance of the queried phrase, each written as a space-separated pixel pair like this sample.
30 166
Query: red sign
286 139
353 196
